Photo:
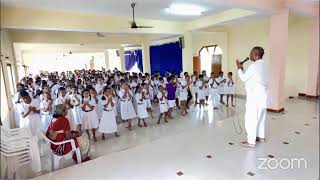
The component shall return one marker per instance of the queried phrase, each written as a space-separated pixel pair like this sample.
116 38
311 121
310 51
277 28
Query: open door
196 64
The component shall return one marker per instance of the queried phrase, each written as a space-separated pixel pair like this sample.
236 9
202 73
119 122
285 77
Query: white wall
57 62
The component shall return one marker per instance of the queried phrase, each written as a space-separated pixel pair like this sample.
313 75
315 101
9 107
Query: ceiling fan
133 23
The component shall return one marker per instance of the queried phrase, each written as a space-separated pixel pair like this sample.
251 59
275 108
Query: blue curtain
166 57
132 57
139 59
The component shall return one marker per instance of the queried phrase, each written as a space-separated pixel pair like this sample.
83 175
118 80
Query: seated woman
59 130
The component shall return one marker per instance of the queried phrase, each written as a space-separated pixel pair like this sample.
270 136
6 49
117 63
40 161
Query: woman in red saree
59 130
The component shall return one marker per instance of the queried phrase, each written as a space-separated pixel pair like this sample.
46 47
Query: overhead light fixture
185 9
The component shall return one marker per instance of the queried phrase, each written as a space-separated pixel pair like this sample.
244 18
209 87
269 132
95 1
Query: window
11 79
114 59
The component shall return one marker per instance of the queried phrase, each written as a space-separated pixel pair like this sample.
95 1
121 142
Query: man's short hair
260 51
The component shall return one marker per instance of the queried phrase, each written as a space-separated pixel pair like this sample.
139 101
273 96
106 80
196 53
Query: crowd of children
96 100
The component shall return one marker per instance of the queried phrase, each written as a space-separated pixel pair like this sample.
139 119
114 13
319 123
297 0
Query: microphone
247 59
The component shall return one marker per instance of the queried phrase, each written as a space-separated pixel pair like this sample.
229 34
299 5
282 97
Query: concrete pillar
312 86
106 60
92 63
187 53
146 57
122 62
278 40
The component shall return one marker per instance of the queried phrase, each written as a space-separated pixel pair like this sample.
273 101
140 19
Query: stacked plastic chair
19 148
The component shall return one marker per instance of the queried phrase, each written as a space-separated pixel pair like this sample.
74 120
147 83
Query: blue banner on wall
166 57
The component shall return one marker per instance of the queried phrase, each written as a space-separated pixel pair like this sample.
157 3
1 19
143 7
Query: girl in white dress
195 88
183 95
108 122
202 86
30 113
221 82
147 92
75 100
46 111
163 103
63 98
126 107
89 113
230 89
215 98
141 106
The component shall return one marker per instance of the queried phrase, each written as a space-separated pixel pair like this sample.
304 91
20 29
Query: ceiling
149 9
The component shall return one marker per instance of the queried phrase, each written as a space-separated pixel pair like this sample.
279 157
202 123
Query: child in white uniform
221 82
184 85
163 103
141 106
195 88
215 98
202 86
230 89
126 107
99 90
146 90
63 98
108 122
89 114
30 113
75 100
46 111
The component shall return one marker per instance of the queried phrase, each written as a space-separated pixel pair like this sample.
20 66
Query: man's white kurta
255 78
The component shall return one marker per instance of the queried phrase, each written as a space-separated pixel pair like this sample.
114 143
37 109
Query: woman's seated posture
59 130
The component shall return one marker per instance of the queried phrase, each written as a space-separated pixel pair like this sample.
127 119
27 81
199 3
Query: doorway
211 59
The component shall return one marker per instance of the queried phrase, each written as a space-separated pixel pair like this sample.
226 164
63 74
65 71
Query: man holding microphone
255 78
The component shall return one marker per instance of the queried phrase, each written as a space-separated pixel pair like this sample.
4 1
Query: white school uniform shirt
74 101
156 82
183 82
33 120
199 84
219 80
44 105
147 96
213 84
256 83
133 85
109 107
229 83
61 100
138 98
160 95
92 102
99 88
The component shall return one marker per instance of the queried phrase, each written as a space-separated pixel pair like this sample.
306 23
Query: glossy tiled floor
183 144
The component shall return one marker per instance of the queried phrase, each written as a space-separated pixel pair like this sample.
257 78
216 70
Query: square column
106 60
122 61
146 57
187 53
278 44
312 86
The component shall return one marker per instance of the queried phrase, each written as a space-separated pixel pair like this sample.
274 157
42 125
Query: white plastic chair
15 147
56 159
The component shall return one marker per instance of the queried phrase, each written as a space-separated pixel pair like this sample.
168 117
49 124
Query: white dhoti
255 117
